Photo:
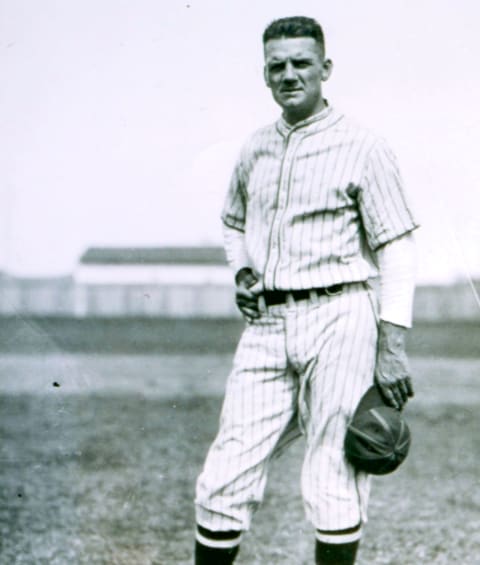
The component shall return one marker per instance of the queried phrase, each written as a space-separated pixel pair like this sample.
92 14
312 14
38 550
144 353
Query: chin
296 106
291 105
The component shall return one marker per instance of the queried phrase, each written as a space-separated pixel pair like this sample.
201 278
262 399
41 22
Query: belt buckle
330 292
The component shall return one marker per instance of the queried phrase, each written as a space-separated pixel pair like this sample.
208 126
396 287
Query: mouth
289 92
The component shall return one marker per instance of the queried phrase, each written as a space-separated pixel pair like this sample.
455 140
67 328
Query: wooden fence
64 297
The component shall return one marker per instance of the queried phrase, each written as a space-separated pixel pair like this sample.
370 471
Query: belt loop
337 289
290 300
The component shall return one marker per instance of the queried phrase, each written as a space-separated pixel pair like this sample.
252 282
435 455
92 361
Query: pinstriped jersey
314 199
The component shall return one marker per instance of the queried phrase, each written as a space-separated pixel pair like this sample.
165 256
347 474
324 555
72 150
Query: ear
265 76
326 69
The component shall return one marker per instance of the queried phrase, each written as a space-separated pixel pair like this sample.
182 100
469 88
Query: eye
301 64
276 67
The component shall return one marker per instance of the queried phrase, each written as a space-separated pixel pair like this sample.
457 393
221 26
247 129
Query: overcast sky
120 120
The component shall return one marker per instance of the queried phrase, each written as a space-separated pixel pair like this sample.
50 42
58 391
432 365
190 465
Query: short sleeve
385 212
234 208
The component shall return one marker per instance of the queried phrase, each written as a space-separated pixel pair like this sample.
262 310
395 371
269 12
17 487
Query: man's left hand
392 371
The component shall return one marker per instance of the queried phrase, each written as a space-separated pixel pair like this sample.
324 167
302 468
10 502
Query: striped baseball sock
216 548
335 554
337 548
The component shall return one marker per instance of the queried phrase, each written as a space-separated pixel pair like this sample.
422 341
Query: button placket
284 194
273 251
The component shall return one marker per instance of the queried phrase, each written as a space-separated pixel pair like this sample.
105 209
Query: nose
289 72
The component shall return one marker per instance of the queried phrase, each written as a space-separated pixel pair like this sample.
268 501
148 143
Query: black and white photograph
239 282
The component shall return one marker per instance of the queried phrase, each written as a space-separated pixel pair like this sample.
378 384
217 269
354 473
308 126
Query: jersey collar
322 120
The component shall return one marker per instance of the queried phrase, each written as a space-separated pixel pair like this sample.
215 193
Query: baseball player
315 208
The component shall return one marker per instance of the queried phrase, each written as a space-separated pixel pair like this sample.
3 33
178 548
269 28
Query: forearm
235 250
397 285
397 265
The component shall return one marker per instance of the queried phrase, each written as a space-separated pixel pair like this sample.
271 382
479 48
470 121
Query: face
294 70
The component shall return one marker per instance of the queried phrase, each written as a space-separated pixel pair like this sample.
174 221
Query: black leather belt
274 297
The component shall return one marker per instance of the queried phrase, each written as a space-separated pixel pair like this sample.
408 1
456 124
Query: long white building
154 281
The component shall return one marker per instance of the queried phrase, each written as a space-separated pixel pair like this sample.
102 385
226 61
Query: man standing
315 205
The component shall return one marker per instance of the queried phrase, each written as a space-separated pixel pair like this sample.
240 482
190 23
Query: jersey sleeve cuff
387 237
234 223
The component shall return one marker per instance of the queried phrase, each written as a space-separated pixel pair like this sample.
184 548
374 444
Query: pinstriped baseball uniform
312 199
306 196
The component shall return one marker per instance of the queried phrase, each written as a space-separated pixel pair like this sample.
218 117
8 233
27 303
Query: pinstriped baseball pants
301 367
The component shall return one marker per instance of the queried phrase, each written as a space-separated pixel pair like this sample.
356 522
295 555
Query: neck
295 116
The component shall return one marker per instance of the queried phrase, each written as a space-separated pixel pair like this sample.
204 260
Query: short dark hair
295 26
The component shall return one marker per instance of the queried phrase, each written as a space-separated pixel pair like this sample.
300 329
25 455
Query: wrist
391 337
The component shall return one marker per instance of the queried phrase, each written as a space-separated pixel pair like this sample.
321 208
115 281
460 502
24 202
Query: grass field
101 441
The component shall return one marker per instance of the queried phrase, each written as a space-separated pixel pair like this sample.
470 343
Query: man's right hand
248 289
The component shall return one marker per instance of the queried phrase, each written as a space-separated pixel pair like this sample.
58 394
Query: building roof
154 256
